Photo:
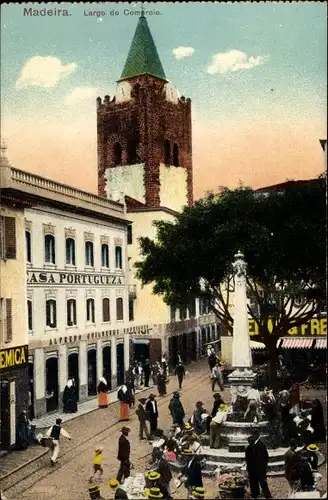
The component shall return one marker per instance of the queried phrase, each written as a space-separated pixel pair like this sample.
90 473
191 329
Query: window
7 238
106 310
104 255
51 313
172 313
119 309
132 152
183 313
118 257
71 312
89 261
176 155
129 234
28 246
49 249
30 315
70 251
131 310
91 310
6 326
117 154
167 152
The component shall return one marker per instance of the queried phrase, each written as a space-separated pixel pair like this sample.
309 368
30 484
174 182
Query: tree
282 235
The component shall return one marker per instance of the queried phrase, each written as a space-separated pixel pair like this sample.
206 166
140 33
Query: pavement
14 461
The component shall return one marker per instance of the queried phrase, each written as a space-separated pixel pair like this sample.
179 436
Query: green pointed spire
143 56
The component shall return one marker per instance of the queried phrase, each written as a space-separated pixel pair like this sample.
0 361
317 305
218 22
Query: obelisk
241 347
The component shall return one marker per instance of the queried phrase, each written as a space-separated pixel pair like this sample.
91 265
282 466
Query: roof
287 185
143 57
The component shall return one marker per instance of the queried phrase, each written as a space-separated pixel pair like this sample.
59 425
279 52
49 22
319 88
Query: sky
255 72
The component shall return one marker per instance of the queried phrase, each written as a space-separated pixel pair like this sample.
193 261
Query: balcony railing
133 291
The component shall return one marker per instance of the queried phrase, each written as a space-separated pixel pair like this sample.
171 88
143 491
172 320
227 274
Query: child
97 462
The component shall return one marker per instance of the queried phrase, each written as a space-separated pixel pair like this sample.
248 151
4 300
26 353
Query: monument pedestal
244 377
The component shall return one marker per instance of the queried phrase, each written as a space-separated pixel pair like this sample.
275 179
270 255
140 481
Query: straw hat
188 427
113 483
154 493
198 492
186 452
312 447
153 475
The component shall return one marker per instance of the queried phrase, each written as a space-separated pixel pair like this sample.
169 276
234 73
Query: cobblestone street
69 480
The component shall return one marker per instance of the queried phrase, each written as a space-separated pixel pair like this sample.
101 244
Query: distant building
145 154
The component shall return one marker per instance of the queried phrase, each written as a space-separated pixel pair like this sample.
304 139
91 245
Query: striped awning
296 343
259 345
321 344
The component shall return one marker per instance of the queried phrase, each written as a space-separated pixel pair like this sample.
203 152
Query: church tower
144 133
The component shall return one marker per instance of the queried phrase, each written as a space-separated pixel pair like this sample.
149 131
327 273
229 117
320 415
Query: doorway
31 411
120 363
51 384
107 365
4 415
73 370
92 372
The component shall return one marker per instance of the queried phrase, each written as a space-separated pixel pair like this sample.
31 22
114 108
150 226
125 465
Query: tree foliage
282 235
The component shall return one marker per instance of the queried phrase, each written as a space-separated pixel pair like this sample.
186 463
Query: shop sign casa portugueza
64 278
14 357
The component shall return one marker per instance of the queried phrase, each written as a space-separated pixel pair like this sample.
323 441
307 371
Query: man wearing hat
198 422
120 494
176 409
152 413
217 377
123 455
310 453
198 493
142 416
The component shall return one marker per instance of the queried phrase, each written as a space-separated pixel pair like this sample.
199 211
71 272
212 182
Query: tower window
70 251
167 152
117 154
136 90
176 155
132 152
130 234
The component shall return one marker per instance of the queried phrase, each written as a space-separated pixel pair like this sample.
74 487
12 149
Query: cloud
233 60
43 72
80 94
181 52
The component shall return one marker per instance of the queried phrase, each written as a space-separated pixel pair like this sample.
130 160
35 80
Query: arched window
49 249
132 152
117 154
28 246
71 312
91 310
167 152
70 251
136 90
30 315
106 310
119 309
118 257
89 260
176 155
51 313
104 255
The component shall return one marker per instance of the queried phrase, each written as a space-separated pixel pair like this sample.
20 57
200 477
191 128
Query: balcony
133 291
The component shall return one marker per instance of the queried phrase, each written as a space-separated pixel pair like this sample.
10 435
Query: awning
257 345
296 343
212 343
140 341
320 344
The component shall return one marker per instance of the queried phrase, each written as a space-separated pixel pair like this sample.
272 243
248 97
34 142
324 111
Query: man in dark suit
152 413
147 370
193 472
123 455
142 416
257 459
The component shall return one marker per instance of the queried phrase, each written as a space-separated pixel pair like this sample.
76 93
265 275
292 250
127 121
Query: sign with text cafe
316 327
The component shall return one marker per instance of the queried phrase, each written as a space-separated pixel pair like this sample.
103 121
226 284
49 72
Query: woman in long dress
161 383
125 398
102 389
318 421
70 398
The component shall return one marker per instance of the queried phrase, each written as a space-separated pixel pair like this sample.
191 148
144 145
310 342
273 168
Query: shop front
14 388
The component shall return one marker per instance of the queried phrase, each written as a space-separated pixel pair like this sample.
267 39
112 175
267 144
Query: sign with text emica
64 278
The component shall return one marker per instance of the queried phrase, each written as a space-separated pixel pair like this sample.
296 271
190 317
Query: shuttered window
106 310
119 309
9 321
8 238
